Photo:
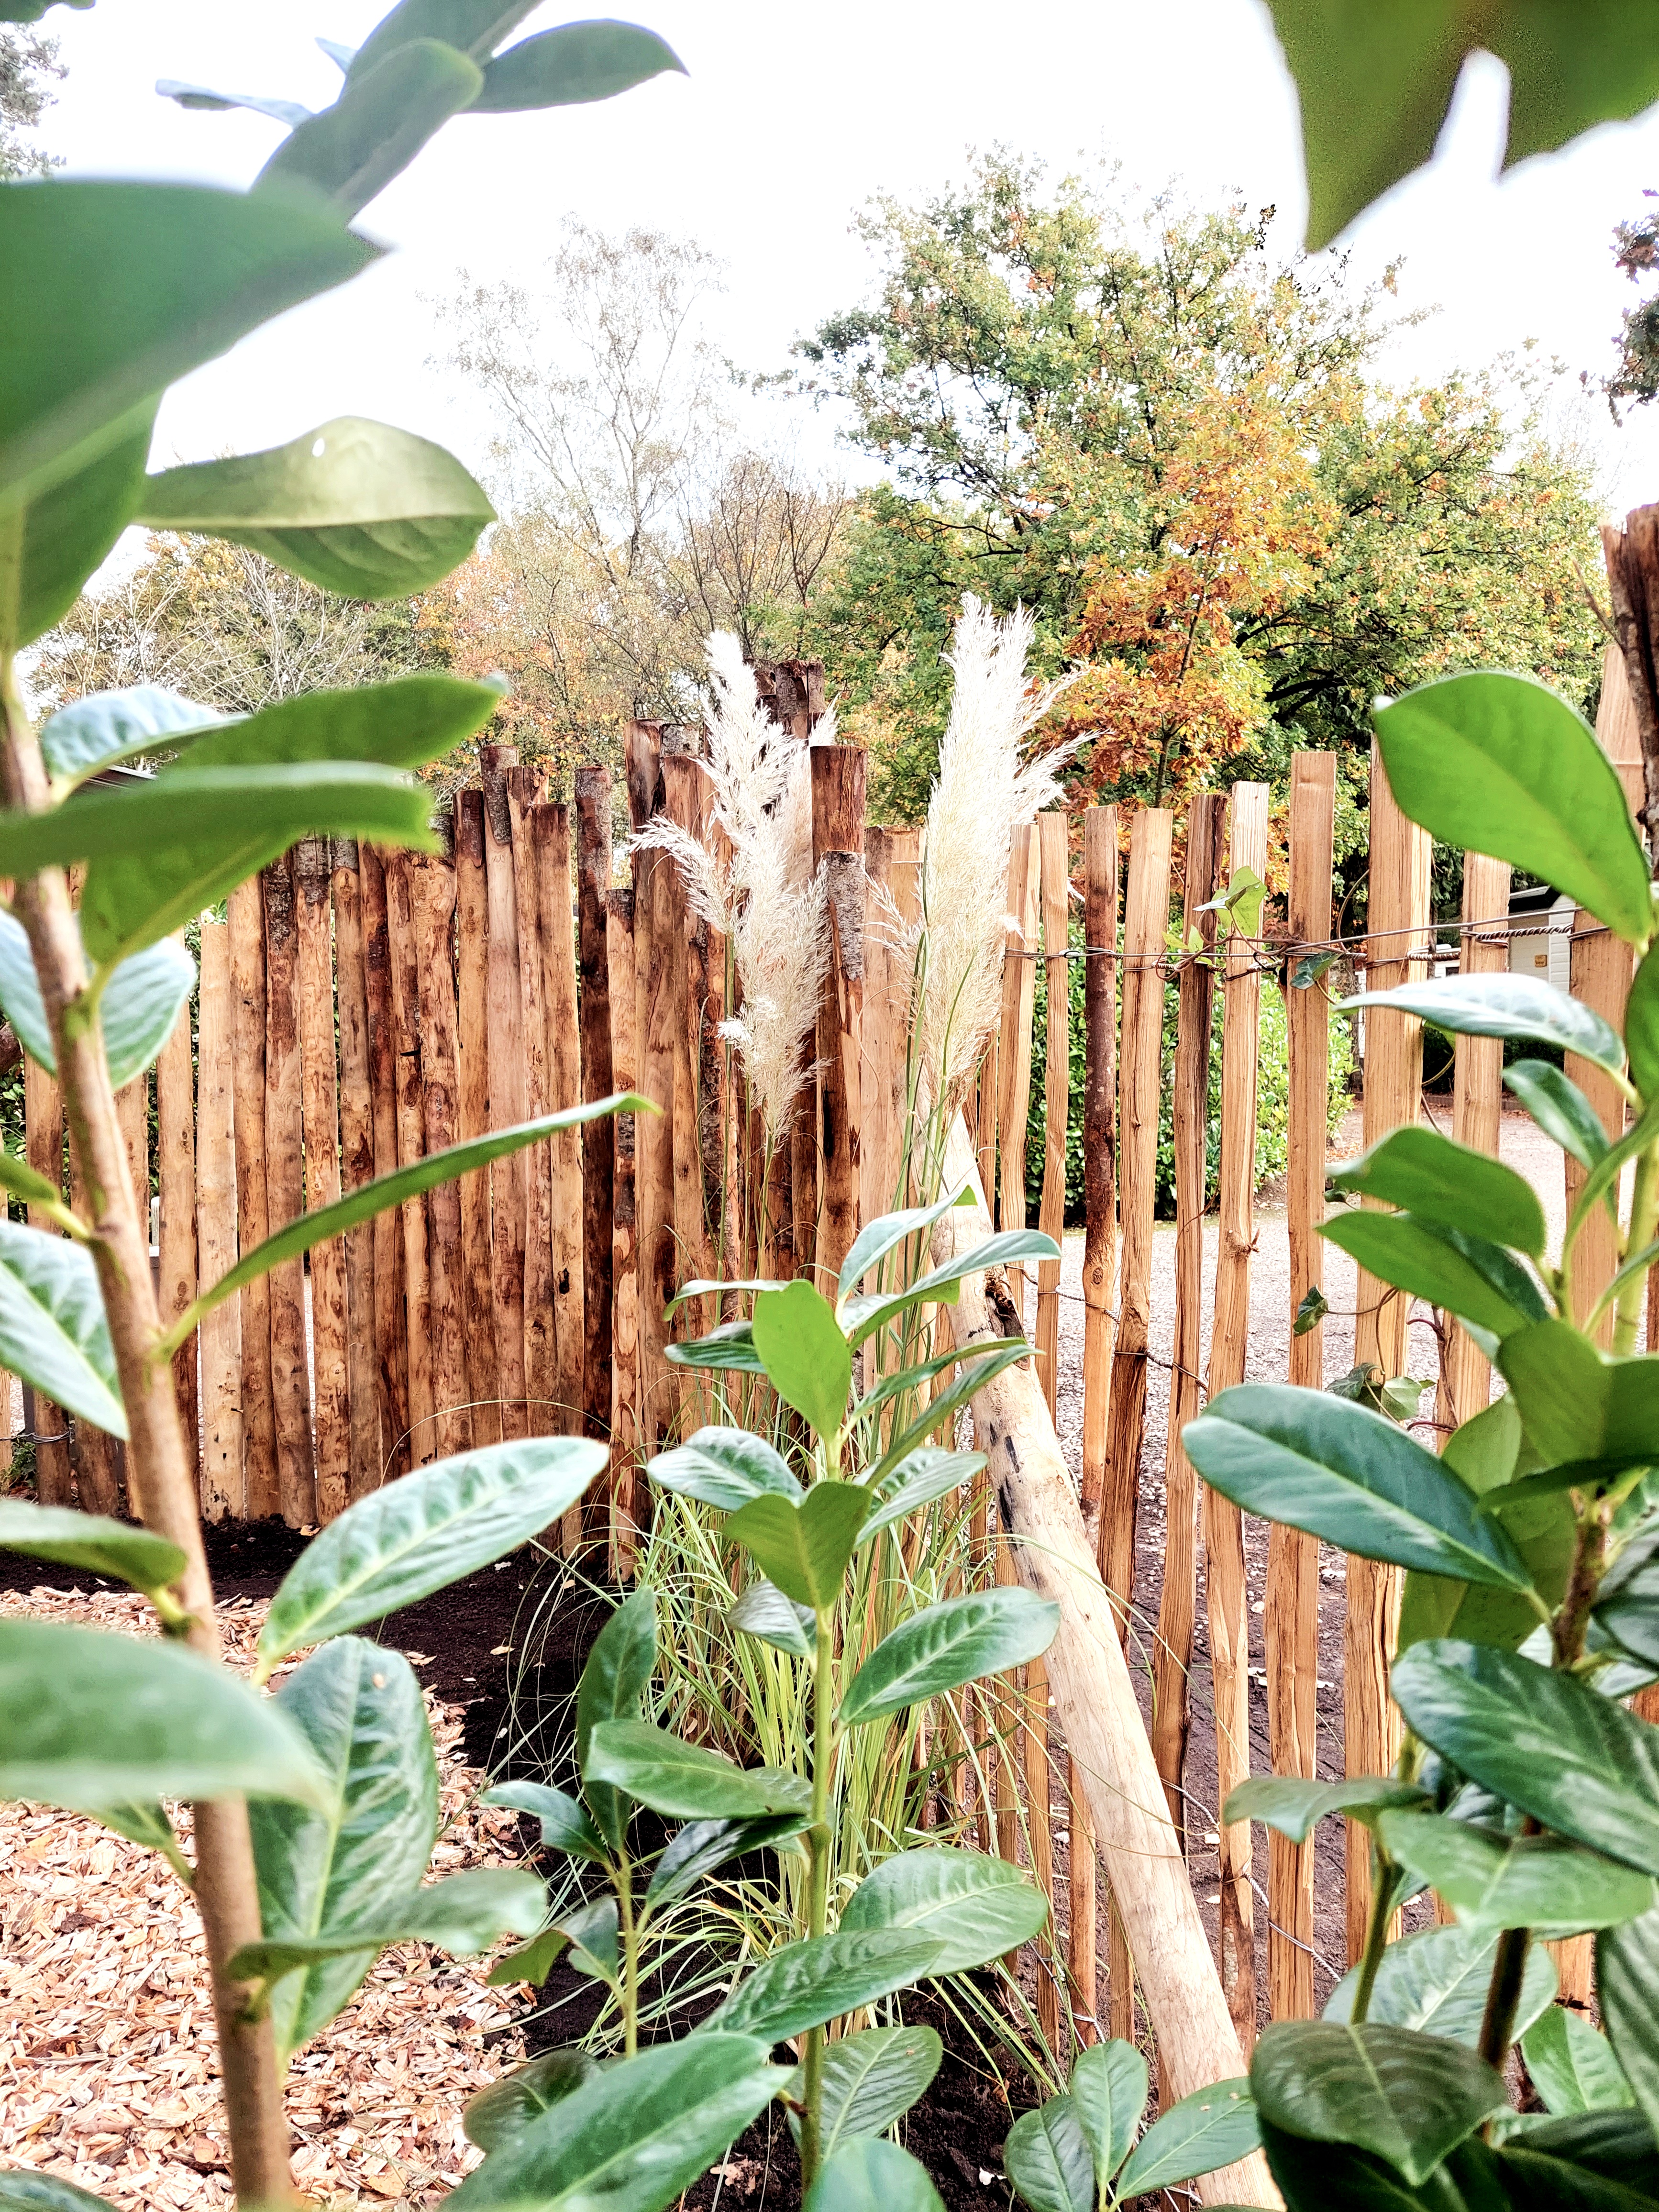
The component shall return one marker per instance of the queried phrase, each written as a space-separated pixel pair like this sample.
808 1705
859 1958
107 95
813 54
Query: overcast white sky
791 118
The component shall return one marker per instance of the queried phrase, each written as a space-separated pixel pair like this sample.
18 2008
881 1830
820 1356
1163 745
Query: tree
1636 252
26 61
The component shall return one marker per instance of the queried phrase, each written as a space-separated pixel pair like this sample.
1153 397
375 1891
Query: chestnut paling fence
358 1010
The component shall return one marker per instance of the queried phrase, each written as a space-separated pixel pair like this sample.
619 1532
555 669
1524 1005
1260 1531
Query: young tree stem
630 1936
161 1469
1383 1887
1643 1214
822 1756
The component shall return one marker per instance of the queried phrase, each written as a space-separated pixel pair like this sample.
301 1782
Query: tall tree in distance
1636 254
28 63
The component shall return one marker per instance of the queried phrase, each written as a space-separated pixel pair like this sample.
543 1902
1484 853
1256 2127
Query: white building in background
1542 949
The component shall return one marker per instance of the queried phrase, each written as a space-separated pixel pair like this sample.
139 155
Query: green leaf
944 1646
614 1680
384 1192
1108 2090
724 1467
1212 2128
21 2188
869 2079
885 1234
999 1351
110 726
575 62
729 1349
94 1720
142 999
1503 1006
869 2175
1498 763
475 27
1047 2159
202 96
147 1825
351 152
701 1286
1559 1107
977 1906
941 1412
1406 2097
355 507
764 1611
799 1344
864 1316
590 1934
1294 1807
804 1984
703 1845
1628 1606
1312 1311
804 1549
1471 1277
1618 2147
465 1914
1626 1975
1313 2177
52 1329
682 1780
1427 1174
1642 1025
166 277
69 528
1575 1404
1492 1881
18 1180
917 1481
1573 2067
329 1874
416 1536
565 1826
101 1546
1543 1741
1339 1471
1436 1981
632 2138
507 2107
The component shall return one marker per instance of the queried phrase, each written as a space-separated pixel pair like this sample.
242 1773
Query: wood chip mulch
108 2067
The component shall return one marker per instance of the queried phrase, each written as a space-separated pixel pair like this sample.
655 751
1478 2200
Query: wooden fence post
1014 1043
1398 920
598 1140
1226 1590
433 896
892 865
223 1489
564 1083
43 1127
624 1276
290 1377
1290 1612
687 986
1054 864
526 790
356 1168
472 1016
175 1159
654 1134
1476 1107
391 1322
508 1178
838 786
405 969
320 1085
245 917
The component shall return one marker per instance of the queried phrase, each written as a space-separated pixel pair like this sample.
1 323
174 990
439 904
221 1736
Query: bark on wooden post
391 1319
319 1084
405 969
1226 1589
175 1159
525 789
224 1490
290 1379
687 940
1100 877
624 1277
1477 1106
42 1138
1014 1044
356 1168
244 916
564 1079
892 862
838 784
654 1135
1291 1617
472 934
1055 870
598 1141
1398 922
432 889
508 1178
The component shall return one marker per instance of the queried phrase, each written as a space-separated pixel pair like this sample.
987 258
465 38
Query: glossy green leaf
729 1349
944 1646
575 62
764 1611
1559 1107
1626 1976
52 1329
632 2138
565 1826
1436 1981
1427 1174
1641 1026
1499 764
89 1540
186 94
1108 2090
703 1845
801 1345
351 151
142 999
1576 1405
1619 2147
327 1873
149 1826
507 2107
69 528
1492 1881
419 1533
938 1415
869 2175
356 506
872 2079
885 1234
1406 2097
804 1984
21 2188
1311 2177
977 1906
804 1549
1573 2067
1503 1006
864 1316
1000 1351
94 1719
1543 1741
1627 1608
1467 1275
1339 1471
1294 1807
700 1286
589 1932
614 1680
917 1481
108 727
18 1180
475 27
463 1914
723 1468
1047 2159
1212 2128
682 1780
167 278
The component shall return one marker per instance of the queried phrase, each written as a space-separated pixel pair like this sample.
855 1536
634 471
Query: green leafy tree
28 63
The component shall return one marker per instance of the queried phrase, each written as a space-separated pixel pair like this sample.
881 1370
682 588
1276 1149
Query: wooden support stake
320 1087
290 1377
1476 1107
244 916
838 785
175 1160
223 1489
405 969
563 1077
472 934
1100 874
598 1141
624 1256
688 942
1399 921
525 788
510 1181
653 1078
356 1168
1055 869
1014 1045
391 1311
432 890
1226 1590
892 862
42 1127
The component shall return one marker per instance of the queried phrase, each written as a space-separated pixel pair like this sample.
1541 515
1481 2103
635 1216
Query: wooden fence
358 1010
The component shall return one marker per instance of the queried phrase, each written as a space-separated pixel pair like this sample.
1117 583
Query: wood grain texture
43 1140
564 1083
319 1083
1100 914
624 1253
290 1374
1014 1044
655 1138
245 917
508 1178
472 1018
598 1142
838 775
1055 867
432 890
687 947
1476 1107
1291 1616
391 1323
175 1169
525 788
405 970
892 862
223 1489
356 1168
